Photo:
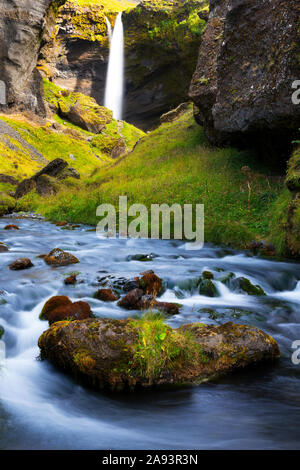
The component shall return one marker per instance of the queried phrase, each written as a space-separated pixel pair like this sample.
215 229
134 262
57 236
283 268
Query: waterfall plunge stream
115 73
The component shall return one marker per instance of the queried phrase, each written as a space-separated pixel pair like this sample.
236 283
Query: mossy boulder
1 331
106 353
208 288
243 285
79 109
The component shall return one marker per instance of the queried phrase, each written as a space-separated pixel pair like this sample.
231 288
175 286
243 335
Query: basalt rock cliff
24 27
242 86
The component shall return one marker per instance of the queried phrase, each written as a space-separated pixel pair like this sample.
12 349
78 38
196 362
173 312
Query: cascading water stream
109 28
115 74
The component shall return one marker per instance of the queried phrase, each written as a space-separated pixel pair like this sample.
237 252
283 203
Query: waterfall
109 30
115 73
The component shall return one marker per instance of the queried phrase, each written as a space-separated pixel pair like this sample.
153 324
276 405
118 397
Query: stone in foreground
103 353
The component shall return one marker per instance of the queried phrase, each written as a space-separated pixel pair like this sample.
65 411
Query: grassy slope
174 164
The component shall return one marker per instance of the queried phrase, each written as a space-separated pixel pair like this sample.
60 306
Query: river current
41 408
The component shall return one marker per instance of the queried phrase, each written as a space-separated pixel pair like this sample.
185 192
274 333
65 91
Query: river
41 408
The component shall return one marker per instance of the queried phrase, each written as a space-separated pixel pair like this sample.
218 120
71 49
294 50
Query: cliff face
161 45
23 28
242 85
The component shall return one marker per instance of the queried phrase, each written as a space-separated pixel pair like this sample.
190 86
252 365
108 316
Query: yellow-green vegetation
80 109
175 164
108 5
83 150
285 223
160 347
88 17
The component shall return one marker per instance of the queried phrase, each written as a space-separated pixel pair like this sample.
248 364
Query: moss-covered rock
1 331
243 285
208 288
144 353
81 110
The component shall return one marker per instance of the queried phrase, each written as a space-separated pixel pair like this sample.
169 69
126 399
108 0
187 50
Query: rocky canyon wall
24 26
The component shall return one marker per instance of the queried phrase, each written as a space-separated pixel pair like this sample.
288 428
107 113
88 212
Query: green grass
160 347
175 164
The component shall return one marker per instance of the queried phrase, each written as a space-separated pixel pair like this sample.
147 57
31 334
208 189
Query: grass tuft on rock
160 348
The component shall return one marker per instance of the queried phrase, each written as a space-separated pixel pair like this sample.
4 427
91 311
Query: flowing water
114 87
41 408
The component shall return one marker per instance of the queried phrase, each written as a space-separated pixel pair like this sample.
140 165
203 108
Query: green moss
7 203
84 361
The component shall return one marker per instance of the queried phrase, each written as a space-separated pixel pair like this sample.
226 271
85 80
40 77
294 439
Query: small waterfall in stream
115 73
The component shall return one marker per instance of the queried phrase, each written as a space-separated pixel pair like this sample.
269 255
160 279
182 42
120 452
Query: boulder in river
61 308
11 227
1 331
106 295
243 285
150 283
58 257
70 280
207 288
106 353
21 263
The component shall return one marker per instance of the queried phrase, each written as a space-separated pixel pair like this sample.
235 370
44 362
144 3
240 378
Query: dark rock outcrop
248 61
102 352
45 181
24 26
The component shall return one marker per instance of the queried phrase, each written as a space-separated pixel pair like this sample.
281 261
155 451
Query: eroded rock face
101 352
242 86
23 27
